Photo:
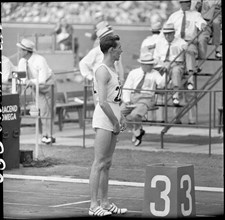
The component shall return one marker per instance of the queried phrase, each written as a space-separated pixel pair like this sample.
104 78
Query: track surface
29 199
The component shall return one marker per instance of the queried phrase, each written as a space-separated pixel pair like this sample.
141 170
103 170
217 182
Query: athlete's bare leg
104 145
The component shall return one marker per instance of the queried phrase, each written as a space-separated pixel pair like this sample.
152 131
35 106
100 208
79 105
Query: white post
14 81
37 121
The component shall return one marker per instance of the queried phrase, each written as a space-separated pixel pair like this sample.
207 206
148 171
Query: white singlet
114 90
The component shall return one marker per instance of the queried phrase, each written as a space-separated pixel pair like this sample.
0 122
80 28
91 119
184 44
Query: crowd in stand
121 12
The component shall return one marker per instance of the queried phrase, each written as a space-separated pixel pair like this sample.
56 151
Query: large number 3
165 197
188 195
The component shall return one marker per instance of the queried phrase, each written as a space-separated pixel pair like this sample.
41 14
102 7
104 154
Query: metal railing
199 93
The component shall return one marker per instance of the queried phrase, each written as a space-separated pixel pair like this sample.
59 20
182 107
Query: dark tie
140 84
168 54
27 70
182 32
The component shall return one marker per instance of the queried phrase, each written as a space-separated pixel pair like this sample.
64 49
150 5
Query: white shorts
101 120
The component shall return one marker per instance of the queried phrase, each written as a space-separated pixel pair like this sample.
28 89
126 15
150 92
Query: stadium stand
121 12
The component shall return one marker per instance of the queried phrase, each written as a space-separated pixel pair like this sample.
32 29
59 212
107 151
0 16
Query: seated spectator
167 48
64 34
210 9
136 102
187 24
148 45
7 69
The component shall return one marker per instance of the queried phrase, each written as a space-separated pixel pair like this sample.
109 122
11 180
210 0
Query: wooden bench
68 107
66 102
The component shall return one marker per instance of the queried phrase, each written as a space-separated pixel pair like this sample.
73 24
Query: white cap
26 44
146 58
104 31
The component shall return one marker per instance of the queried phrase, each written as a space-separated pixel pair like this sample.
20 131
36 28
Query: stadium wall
131 38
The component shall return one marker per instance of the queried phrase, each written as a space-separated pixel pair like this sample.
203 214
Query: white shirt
177 45
149 43
7 68
38 68
194 21
92 60
152 80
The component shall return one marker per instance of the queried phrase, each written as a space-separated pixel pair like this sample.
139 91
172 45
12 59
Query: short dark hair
108 41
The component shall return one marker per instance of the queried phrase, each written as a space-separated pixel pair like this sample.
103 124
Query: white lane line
72 203
13 217
21 204
111 182
209 189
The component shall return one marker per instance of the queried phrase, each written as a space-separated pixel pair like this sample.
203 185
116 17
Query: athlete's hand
123 124
116 128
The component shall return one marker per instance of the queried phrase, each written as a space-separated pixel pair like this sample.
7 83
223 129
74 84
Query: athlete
107 122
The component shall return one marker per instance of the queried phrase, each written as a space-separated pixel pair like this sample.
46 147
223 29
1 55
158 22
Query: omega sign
9 112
